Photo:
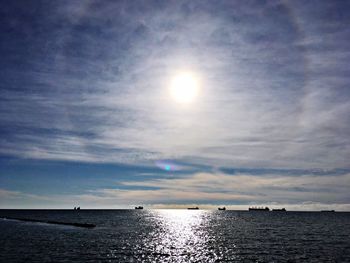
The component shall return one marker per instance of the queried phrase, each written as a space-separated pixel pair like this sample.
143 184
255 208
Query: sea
175 236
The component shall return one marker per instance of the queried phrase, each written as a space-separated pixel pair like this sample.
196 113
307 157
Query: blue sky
86 117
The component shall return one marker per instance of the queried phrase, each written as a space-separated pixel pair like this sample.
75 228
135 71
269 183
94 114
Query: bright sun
184 87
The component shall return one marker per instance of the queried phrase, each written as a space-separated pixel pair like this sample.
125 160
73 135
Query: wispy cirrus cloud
271 95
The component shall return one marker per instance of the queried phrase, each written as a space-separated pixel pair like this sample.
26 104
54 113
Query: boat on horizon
222 208
193 208
279 210
139 207
327 211
259 209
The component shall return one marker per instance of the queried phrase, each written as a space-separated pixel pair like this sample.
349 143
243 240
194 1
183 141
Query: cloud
248 188
88 82
18 199
208 190
100 94
9 194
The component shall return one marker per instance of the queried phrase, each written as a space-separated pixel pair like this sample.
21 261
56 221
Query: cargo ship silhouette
259 209
279 210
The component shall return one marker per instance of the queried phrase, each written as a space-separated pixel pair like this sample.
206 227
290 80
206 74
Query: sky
86 117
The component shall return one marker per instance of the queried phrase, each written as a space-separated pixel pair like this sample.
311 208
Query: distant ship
222 208
259 209
279 210
138 207
193 208
77 208
327 211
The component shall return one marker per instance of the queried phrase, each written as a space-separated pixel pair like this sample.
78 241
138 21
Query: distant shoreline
127 209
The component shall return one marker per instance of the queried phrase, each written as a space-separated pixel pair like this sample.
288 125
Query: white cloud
208 190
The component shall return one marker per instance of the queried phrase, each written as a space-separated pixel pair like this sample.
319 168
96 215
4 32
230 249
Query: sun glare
184 87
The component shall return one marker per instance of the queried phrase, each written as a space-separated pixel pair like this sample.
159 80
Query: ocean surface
175 236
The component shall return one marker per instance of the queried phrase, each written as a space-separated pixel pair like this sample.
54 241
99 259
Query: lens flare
168 166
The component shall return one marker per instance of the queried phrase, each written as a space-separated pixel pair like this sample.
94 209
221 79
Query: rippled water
176 236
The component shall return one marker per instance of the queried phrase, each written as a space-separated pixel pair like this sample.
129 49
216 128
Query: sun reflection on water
181 228
182 234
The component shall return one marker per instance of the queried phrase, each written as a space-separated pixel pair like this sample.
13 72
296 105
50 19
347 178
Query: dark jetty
84 225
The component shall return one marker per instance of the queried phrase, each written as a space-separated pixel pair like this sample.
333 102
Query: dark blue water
176 236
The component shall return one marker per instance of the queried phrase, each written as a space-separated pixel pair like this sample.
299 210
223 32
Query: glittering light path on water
182 235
